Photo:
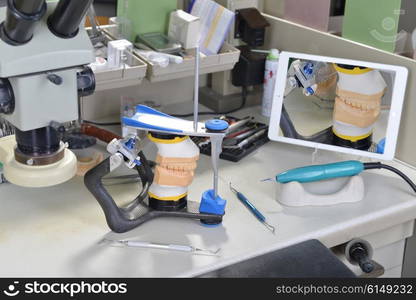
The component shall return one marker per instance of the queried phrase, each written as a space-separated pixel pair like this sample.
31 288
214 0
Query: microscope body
43 53
38 101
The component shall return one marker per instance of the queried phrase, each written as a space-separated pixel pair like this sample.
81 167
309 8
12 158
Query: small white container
184 28
118 52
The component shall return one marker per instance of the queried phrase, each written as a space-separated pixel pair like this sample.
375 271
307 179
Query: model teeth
178 168
357 105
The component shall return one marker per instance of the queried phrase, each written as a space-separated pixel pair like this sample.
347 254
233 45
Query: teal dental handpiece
321 172
336 170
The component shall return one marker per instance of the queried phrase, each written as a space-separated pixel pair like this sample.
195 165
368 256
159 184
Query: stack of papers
216 23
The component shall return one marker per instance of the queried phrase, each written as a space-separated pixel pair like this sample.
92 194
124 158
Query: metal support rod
92 16
216 149
196 89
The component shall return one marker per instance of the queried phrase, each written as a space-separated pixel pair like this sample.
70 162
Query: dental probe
171 247
252 209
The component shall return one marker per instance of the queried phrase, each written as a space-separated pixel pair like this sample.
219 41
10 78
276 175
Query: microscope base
35 176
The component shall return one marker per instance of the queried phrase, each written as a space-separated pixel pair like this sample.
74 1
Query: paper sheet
216 22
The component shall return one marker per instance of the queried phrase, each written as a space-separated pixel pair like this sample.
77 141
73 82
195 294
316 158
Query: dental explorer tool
243 199
170 247
247 141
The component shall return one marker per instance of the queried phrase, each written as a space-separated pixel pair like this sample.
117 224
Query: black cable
146 176
244 94
102 124
204 113
378 165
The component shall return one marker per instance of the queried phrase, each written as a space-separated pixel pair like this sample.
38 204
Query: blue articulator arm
147 118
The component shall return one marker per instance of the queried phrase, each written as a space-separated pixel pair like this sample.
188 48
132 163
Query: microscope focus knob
6 97
55 79
86 82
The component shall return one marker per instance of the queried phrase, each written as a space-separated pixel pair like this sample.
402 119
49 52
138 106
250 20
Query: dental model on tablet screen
338 104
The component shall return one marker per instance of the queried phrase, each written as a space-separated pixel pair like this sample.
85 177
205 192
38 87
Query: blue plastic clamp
216 125
211 205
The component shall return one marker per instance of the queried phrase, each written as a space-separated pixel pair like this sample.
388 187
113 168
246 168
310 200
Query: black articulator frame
123 219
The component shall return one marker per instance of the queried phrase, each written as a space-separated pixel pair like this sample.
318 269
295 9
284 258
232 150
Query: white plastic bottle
414 43
270 74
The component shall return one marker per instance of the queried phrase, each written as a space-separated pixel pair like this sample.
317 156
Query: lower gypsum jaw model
176 162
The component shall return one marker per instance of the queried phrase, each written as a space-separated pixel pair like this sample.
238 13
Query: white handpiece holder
295 194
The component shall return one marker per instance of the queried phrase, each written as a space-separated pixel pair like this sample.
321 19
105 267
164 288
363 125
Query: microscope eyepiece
21 20
29 7
68 15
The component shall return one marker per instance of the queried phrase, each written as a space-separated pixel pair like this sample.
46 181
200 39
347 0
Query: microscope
44 52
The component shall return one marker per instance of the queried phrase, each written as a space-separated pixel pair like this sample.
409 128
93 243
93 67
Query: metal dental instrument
97 35
237 125
252 209
170 247
237 139
247 141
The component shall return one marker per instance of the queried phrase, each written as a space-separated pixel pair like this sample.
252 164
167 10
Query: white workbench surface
54 232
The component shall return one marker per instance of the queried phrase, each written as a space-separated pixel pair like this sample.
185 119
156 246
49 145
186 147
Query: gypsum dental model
358 102
176 162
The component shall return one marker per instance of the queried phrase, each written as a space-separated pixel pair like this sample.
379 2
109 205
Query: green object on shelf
372 22
147 16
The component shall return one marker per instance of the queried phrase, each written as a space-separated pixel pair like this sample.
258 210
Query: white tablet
338 104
